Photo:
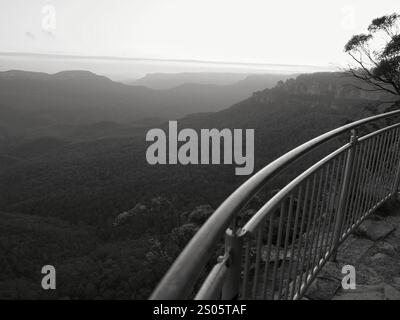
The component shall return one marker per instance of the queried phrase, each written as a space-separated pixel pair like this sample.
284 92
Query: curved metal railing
279 251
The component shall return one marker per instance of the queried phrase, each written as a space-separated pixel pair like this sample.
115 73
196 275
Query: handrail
214 281
270 205
186 269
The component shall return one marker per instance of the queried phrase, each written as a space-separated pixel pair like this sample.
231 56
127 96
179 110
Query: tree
377 55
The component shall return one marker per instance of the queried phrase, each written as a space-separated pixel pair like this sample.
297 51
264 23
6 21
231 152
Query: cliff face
330 85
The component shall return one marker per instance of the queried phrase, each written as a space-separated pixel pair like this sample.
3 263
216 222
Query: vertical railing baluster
386 166
344 194
329 210
391 171
246 268
367 177
370 176
347 209
396 164
309 264
257 263
354 187
306 241
382 185
285 248
292 248
397 174
335 201
371 172
376 165
362 168
298 256
380 170
277 248
322 218
268 255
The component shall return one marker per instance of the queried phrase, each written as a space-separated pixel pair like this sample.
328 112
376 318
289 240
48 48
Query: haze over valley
83 82
73 160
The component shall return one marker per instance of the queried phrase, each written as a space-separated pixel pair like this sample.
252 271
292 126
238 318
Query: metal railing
278 252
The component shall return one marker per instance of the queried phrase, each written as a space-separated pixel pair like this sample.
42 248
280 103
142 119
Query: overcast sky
311 32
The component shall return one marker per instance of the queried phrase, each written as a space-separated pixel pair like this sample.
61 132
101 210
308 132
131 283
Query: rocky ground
374 251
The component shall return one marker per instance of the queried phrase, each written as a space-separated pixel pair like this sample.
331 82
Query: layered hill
173 80
80 182
37 104
101 176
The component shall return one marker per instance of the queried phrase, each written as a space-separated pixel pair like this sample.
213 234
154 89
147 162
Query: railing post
344 194
233 246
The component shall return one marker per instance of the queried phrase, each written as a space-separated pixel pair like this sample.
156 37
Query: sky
307 32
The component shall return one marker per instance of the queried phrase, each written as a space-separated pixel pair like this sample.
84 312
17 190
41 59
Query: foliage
112 224
377 55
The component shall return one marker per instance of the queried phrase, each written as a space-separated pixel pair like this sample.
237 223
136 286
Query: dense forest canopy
83 197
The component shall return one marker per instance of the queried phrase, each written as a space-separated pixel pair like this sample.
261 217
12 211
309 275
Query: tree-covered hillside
112 223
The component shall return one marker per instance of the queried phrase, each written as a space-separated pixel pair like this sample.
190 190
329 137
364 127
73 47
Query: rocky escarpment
331 85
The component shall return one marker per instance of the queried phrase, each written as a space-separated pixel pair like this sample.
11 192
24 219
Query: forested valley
81 196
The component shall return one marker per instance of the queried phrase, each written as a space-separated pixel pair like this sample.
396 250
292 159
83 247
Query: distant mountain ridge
34 101
164 81
170 80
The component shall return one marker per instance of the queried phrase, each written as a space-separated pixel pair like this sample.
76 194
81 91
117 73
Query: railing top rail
260 214
256 219
184 272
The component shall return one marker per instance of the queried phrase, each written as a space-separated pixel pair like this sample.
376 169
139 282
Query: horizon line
90 57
